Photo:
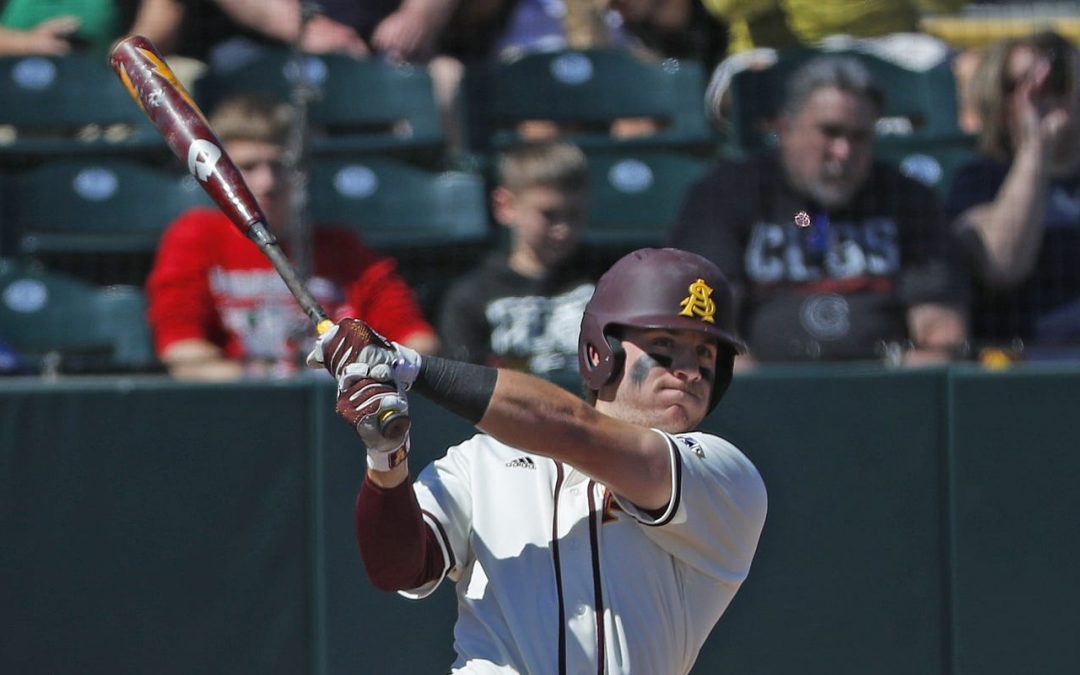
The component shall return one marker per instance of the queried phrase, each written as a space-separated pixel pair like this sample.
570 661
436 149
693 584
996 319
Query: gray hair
845 73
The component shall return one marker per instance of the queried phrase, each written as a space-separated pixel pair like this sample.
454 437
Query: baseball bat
186 131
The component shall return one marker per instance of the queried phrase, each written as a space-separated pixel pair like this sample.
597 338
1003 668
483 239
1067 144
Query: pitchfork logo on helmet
699 303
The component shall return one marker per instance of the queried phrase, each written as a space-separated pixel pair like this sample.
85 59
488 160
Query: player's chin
681 413
677 420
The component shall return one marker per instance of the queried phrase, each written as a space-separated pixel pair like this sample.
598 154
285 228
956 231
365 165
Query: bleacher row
87 185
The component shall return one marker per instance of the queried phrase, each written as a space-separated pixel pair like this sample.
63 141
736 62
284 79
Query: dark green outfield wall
919 523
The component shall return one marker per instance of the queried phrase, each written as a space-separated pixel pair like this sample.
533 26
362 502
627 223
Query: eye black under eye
663 359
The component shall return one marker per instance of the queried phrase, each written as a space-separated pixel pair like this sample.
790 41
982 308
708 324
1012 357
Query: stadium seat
919 105
60 324
368 106
932 163
435 223
62 106
396 205
635 196
587 90
92 205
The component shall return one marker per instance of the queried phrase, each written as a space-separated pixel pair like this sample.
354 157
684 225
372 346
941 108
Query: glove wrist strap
388 459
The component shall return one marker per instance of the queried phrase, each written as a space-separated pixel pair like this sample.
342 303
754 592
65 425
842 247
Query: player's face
667 379
827 147
547 223
262 166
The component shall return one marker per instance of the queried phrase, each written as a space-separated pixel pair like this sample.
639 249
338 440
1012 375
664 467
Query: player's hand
379 413
351 350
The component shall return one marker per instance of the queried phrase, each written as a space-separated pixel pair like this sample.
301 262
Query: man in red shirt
218 309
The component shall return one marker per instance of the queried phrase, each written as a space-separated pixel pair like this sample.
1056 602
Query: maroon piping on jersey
598 601
440 532
676 494
558 567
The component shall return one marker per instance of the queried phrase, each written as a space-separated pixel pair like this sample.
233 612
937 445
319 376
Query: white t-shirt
552 567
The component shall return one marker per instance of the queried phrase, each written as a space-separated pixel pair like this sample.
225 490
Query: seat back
396 205
918 104
369 106
435 223
635 196
101 205
588 89
60 106
60 324
933 164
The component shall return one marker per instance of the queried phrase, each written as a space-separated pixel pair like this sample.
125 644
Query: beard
833 186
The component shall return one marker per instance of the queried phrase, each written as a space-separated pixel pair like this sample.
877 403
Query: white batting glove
379 413
351 350
401 365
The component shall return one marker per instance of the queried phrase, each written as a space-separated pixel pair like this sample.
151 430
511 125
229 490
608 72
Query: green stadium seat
635 196
60 324
588 89
919 105
360 106
932 163
434 222
396 205
64 106
98 205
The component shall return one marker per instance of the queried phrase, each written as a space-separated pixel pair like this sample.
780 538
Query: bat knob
393 425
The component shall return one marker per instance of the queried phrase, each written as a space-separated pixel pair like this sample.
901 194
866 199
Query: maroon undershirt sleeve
399 551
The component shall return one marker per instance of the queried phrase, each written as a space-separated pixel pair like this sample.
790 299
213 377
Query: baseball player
584 536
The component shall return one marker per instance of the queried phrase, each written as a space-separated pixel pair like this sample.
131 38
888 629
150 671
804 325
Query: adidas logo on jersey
521 463
693 445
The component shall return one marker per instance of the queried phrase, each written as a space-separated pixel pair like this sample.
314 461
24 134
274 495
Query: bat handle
393 425
265 240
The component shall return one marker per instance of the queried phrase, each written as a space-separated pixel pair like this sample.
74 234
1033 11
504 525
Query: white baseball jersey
555 574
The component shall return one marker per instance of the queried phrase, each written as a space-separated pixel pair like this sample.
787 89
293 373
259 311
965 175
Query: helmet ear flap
618 356
725 370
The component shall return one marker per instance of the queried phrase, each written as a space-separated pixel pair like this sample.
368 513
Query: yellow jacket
790 23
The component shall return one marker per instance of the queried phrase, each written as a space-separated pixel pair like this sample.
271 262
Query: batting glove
379 413
351 350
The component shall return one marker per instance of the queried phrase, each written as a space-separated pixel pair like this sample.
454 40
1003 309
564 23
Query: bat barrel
171 109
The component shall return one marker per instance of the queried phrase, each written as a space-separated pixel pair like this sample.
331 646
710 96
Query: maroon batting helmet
657 288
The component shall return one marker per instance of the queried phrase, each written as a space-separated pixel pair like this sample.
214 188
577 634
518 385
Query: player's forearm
396 547
545 419
540 417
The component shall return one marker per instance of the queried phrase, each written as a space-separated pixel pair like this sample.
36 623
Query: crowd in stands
836 251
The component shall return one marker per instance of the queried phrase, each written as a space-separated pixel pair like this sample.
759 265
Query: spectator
218 309
833 256
29 27
522 308
399 30
1017 207
680 29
